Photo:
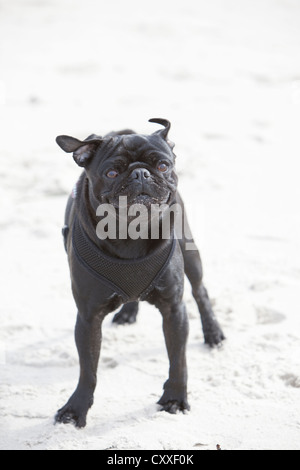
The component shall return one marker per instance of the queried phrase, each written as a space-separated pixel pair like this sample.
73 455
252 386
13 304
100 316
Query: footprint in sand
109 362
291 380
266 316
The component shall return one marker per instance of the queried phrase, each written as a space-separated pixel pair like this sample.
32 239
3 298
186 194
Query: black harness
131 279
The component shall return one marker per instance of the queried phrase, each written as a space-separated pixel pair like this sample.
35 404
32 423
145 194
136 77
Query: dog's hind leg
213 334
127 314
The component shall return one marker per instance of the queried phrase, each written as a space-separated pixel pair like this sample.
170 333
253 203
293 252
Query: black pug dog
118 270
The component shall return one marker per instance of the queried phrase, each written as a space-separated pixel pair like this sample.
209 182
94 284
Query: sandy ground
227 74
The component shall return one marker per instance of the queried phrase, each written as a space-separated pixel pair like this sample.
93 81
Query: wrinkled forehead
135 147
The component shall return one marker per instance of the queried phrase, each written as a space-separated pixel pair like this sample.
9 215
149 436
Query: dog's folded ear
82 150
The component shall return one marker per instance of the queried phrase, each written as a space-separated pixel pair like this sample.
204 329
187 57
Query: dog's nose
140 174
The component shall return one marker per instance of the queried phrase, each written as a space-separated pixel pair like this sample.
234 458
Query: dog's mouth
144 198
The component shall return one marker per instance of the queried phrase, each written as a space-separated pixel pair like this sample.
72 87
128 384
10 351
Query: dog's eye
163 167
112 174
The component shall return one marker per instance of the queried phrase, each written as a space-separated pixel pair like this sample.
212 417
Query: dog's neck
120 248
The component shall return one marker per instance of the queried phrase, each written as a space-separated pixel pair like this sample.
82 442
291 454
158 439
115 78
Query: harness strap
131 279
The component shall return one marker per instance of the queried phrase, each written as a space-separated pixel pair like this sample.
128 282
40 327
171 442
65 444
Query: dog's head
140 167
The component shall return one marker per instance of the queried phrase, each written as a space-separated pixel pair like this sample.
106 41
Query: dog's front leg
175 327
88 341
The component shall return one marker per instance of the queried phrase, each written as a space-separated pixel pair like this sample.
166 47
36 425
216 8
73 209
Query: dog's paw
173 400
174 406
68 415
123 318
213 336
75 410
127 314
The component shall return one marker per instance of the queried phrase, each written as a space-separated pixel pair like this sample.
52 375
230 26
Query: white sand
227 74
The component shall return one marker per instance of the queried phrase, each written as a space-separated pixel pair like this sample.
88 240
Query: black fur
136 158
